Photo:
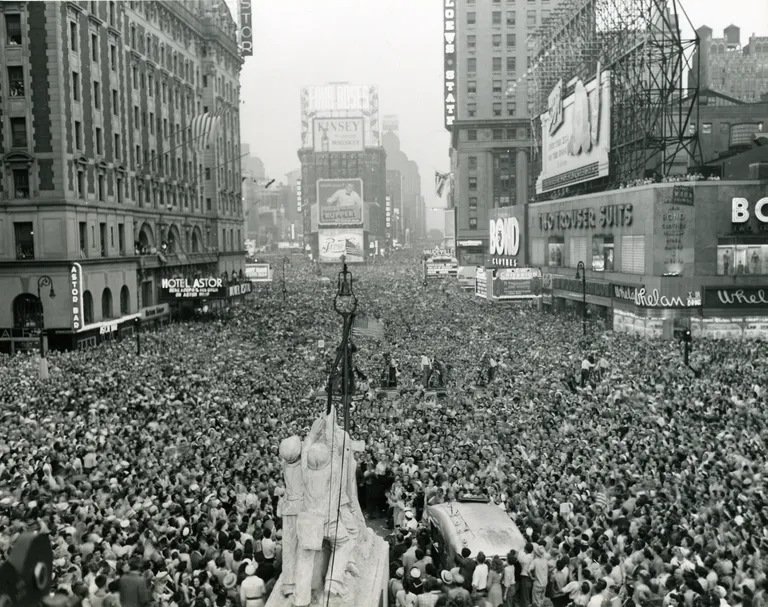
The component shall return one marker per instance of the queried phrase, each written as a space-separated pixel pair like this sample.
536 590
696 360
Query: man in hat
291 504
133 589
396 585
458 593
253 589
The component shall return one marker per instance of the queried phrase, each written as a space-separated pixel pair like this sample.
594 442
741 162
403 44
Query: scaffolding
653 114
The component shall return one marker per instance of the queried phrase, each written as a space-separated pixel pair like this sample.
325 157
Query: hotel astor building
103 192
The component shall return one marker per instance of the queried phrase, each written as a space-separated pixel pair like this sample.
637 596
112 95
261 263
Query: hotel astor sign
449 62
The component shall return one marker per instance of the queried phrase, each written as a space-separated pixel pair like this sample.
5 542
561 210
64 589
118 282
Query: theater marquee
449 58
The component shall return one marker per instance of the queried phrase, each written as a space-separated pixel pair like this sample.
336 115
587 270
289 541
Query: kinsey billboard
76 295
191 288
340 202
339 134
332 244
340 101
246 28
576 134
449 62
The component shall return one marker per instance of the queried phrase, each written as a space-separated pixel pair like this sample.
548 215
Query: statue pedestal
369 589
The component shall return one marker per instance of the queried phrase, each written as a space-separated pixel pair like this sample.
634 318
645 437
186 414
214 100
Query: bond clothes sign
246 31
505 236
340 202
449 60
339 134
576 135
191 288
741 215
736 297
76 296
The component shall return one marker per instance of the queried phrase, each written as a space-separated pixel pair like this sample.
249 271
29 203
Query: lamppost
43 281
581 267
687 342
345 305
285 291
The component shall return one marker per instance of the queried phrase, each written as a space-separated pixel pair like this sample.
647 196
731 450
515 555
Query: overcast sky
395 44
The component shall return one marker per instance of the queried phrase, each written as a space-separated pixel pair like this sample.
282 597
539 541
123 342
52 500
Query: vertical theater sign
76 294
449 57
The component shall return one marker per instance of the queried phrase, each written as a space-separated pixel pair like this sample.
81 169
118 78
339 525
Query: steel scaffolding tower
653 113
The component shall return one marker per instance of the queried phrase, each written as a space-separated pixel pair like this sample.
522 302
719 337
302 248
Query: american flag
351 249
368 327
203 128
440 180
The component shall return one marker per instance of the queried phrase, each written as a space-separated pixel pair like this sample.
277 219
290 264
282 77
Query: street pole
138 337
43 281
581 272
285 291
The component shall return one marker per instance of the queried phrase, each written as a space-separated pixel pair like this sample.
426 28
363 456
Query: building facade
101 176
411 211
728 126
491 141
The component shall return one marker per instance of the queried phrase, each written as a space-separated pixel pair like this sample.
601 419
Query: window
76 86
73 36
119 189
117 151
577 250
511 41
471 42
530 19
633 254
742 259
13 29
207 174
113 57
99 142
18 132
87 307
472 163
21 183
706 128
95 48
471 87
83 236
25 239
496 17
471 18
125 301
135 77
511 65
497 64
496 40
473 203
497 109
78 135
111 13
511 19
121 240
207 204
81 184
471 110
544 16
497 87
473 223
16 81
511 108
725 127
133 36
473 184
602 253
103 237
472 135
471 65
498 134
115 103
97 95
100 184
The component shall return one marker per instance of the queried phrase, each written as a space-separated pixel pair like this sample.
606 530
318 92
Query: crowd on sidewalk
158 479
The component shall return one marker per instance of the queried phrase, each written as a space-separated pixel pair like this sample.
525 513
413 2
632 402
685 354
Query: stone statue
292 505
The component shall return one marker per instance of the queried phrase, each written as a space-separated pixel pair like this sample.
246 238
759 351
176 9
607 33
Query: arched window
106 303
125 301
27 311
88 307
196 240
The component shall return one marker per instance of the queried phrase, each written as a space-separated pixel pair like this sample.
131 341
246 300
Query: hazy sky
395 44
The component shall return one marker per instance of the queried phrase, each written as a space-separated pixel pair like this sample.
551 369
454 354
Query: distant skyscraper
412 213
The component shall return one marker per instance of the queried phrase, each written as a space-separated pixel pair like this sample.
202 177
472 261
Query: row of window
496 41
597 253
24 239
510 2
520 133
497 109
28 312
497 63
510 20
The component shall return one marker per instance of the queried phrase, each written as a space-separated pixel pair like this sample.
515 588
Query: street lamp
581 267
345 305
43 281
285 260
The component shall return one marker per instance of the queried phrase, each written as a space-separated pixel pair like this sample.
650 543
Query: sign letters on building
504 236
76 294
246 28
734 297
740 214
607 216
298 196
449 57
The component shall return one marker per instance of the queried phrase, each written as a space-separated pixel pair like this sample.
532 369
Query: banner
332 244
340 202
76 294
258 272
339 134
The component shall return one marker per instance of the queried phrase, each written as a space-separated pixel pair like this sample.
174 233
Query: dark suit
133 591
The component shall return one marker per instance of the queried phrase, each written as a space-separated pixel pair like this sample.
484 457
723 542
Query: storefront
733 312
15 340
471 252
155 316
101 332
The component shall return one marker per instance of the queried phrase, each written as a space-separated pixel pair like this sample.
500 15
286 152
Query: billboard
340 202
390 122
246 28
338 134
449 62
575 134
516 283
332 244
258 272
340 100
195 288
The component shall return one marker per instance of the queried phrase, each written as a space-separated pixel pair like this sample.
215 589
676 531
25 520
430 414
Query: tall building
486 51
105 186
725 66
410 204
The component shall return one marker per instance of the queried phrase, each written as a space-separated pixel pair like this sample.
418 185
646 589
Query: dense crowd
158 477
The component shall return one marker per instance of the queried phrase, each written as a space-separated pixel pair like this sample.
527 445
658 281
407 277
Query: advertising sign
332 244
442 267
389 211
449 62
576 134
191 288
504 241
246 29
390 123
340 202
481 283
341 100
655 299
674 222
736 297
338 134
516 283
741 214
258 272
604 216
299 203
76 295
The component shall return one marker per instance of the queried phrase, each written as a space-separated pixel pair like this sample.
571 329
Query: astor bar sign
449 58
731 297
76 293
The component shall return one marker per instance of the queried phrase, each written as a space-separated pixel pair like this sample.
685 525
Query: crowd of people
158 480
